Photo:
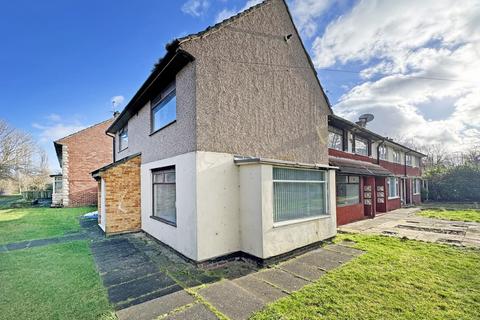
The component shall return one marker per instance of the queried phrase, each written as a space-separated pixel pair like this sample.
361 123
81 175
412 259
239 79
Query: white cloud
54 117
117 101
305 14
50 133
195 8
227 13
420 55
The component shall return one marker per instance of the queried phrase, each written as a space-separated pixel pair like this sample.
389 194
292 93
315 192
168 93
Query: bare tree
16 151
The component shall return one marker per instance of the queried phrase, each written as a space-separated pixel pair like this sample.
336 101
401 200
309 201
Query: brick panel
122 197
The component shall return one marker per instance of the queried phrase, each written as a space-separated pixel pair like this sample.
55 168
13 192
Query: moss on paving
53 282
394 279
37 223
449 214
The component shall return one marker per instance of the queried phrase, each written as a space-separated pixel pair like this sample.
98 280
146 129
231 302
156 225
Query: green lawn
450 214
36 223
395 279
53 282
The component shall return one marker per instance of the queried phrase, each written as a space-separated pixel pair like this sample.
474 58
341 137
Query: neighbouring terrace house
78 154
376 174
223 150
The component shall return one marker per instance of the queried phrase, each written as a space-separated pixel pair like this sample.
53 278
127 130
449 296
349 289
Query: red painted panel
348 155
349 214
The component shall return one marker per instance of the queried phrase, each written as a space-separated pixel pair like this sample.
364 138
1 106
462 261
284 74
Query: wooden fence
35 195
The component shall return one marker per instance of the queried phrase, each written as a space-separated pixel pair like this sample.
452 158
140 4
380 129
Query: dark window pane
164 112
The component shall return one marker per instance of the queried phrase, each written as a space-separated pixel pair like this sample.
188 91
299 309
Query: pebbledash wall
83 152
271 108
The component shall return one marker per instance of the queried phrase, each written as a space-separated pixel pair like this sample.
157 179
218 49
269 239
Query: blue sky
62 62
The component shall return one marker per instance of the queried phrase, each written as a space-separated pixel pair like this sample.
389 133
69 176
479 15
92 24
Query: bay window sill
296 221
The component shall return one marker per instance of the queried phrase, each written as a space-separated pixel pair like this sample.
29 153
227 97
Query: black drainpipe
378 150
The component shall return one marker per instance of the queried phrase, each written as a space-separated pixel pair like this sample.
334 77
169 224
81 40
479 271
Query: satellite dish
367 117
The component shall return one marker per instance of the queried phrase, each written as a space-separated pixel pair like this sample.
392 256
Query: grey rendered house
223 150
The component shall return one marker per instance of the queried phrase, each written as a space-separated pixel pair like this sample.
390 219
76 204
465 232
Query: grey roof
114 164
359 167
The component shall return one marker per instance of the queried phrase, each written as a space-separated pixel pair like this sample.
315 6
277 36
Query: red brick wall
88 150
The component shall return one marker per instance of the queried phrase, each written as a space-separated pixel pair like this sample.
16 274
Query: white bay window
299 194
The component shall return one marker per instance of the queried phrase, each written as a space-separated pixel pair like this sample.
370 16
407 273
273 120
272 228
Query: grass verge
394 279
454 215
53 282
37 223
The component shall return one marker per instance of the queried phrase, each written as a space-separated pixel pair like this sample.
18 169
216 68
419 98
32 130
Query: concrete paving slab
303 270
344 249
282 279
232 300
416 228
156 307
17 245
319 260
118 276
139 287
259 288
149 296
196 312
331 255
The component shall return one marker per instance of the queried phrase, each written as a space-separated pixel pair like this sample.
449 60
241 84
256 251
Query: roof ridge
81 130
222 23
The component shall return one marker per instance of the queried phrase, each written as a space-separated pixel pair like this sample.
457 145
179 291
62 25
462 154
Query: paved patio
146 280
405 223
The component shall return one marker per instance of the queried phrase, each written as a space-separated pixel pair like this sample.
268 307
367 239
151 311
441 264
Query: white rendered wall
223 208
218 211
263 238
183 237
103 211
251 233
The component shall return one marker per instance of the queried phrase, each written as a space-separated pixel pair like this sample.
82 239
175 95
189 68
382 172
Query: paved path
237 296
405 223
88 231
41 242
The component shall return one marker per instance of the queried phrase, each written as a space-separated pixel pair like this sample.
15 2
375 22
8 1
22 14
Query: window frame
348 181
158 103
367 145
163 169
385 154
397 187
57 180
417 186
397 160
325 183
409 160
120 132
340 133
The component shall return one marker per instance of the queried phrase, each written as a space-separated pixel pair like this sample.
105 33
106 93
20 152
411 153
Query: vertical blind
298 194
164 195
